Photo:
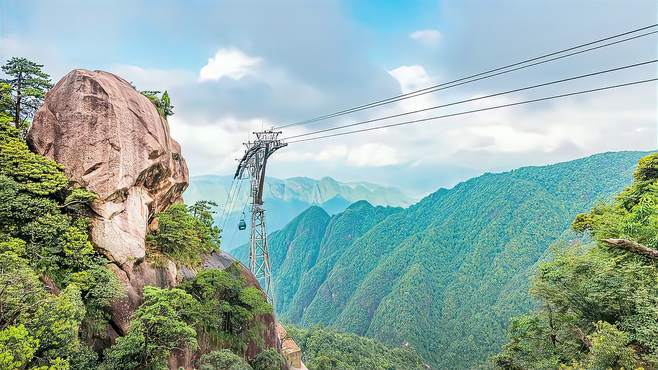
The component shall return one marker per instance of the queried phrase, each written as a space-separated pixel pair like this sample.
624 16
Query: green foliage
28 87
32 172
269 359
185 233
99 287
228 308
447 274
598 305
17 347
162 104
327 349
223 360
44 241
42 326
160 325
214 310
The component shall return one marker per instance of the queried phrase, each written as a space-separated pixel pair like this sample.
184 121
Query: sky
232 67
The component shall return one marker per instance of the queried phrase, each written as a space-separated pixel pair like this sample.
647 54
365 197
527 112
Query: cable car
242 225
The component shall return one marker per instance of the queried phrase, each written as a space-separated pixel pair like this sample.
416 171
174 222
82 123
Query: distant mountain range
446 274
285 199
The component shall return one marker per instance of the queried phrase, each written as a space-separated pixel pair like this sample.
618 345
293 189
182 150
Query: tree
167 108
29 85
160 325
162 104
269 359
598 302
227 307
223 360
185 233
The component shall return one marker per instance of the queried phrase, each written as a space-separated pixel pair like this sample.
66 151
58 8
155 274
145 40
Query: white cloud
152 78
427 37
231 63
373 155
411 78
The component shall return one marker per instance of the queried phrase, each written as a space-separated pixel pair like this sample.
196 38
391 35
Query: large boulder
112 140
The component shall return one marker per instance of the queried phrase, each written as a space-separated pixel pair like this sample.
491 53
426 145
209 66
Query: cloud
373 155
411 78
428 37
152 78
231 63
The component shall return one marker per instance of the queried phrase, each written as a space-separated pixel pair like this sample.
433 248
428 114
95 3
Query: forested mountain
598 302
446 274
288 198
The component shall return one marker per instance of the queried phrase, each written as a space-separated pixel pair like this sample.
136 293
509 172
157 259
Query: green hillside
327 349
446 274
597 302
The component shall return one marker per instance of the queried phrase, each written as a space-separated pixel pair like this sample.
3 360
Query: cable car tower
253 165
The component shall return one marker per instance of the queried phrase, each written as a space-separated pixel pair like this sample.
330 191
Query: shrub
185 233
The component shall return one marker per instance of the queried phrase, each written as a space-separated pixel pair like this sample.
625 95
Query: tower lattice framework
253 165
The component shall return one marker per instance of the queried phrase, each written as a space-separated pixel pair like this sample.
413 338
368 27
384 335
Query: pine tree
29 84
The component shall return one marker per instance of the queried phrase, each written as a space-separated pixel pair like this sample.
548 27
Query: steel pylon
253 165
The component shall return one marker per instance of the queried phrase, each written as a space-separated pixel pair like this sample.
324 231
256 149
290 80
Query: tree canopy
55 291
598 302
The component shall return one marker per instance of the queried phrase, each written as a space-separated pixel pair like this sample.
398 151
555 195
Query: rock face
111 139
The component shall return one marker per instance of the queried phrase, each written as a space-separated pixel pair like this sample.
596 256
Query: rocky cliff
111 140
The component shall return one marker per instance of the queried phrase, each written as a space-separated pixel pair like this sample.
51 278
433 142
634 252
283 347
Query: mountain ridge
455 264
285 199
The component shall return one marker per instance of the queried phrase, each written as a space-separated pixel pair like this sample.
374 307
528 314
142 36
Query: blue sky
231 66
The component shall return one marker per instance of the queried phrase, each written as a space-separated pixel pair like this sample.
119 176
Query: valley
446 274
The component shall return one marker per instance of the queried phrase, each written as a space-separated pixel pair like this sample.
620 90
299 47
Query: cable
228 197
477 110
237 194
475 99
432 88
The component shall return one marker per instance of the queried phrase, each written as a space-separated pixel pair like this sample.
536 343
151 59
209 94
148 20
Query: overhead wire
489 73
236 195
616 69
478 110
228 197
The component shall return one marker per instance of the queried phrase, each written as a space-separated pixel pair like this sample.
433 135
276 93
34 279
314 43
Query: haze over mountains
285 199
446 274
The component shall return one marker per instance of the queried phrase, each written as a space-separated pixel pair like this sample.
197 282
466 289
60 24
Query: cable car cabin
242 225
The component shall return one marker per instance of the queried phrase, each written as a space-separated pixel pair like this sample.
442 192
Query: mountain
446 274
286 199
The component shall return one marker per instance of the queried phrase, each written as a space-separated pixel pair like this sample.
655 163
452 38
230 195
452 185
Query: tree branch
632 246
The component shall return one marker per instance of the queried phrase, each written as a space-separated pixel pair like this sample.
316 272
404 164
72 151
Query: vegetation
223 360
160 325
228 308
162 102
27 85
214 310
447 274
598 304
56 292
327 349
54 289
185 233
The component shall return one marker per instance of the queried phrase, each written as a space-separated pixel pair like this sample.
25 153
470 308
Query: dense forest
326 349
444 275
598 301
